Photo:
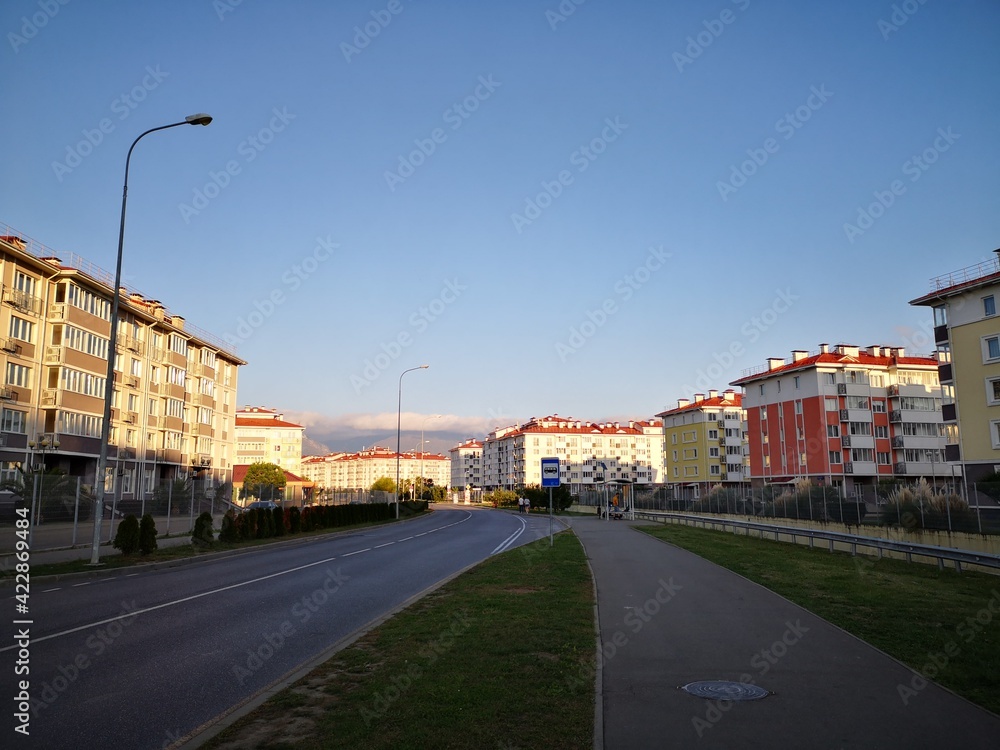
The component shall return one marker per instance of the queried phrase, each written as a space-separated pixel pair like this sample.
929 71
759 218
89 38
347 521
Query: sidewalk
668 618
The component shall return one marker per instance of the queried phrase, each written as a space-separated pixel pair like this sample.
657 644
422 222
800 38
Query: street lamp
102 459
399 413
422 423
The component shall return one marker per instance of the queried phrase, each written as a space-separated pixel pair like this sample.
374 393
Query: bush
278 521
248 524
294 520
202 534
918 507
127 536
230 531
147 534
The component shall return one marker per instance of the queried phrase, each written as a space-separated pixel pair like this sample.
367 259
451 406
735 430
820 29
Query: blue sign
550 472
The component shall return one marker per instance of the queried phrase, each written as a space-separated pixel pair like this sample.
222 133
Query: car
261 505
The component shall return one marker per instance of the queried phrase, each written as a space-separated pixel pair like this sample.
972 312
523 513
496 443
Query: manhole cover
726 691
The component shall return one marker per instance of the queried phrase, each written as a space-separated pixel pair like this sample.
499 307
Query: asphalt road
137 660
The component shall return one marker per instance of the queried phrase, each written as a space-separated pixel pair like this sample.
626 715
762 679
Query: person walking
520 505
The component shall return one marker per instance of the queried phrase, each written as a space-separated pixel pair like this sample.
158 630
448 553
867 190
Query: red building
846 417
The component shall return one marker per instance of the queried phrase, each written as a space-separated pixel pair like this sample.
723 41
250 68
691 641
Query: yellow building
174 388
263 435
703 444
967 337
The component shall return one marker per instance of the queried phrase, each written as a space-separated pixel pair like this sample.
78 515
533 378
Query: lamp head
199 119
424 367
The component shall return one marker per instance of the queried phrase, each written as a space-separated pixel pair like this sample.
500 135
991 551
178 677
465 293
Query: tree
384 484
147 534
127 536
262 480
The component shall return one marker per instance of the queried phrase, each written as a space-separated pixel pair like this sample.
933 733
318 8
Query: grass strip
490 660
922 616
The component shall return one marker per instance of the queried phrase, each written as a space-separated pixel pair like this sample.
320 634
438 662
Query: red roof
264 422
240 473
832 358
719 401
567 426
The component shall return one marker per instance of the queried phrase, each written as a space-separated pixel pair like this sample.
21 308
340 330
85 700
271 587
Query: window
175 408
835 457
761 389
796 379
24 283
881 431
833 430
690 454
993 391
991 348
857 402
995 433
919 403
178 344
88 302
802 459
21 329
714 470
18 374
883 459
713 434
831 404
713 452
878 407
989 306
779 385
829 378
13 421
798 407
82 382
70 423
861 428
862 454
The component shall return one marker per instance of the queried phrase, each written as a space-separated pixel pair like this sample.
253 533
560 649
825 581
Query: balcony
845 415
848 468
899 467
129 417
945 374
10 346
845 441
898 441
7 393
22 301
948 412
895 416
841 389
941 334
131 381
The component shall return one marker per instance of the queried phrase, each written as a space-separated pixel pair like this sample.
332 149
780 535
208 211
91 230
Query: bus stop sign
550 472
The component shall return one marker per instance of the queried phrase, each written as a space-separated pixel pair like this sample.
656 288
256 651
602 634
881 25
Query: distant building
296 491
589 453
846 417
704 442
967 336
467 465
359 471
263 435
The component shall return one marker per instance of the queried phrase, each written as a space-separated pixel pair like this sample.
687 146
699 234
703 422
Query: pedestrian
520 505
527 505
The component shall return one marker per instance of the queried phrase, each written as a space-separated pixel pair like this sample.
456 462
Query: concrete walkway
669 618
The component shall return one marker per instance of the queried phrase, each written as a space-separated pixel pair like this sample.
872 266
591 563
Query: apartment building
589 453
704 441
845 417
467 465
967 337
174 388
264 435
359 471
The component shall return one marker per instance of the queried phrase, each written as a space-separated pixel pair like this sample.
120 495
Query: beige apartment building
359 471
174 390
264 435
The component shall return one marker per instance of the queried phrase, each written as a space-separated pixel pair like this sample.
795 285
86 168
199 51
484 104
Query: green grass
493 659
911 611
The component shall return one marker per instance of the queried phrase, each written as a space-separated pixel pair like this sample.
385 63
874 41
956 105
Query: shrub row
134 535
259 523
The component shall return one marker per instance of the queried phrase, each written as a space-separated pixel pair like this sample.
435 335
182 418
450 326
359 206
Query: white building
359 471
588 452
263 435
467 465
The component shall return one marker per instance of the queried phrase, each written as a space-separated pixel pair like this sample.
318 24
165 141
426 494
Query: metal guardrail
956 556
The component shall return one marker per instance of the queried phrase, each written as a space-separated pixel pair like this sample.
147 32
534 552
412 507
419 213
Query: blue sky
590 213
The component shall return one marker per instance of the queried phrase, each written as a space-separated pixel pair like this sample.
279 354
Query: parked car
261 505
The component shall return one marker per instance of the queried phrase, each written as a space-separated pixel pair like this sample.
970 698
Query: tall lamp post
422 423
109 385
399 413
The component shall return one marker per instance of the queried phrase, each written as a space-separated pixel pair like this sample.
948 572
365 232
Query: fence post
191 521
979 518
170 500
76 511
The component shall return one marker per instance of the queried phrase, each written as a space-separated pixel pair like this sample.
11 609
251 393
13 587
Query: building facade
359 471
589 453
467 465
174 389
704 444
967 337
845 417
264 435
